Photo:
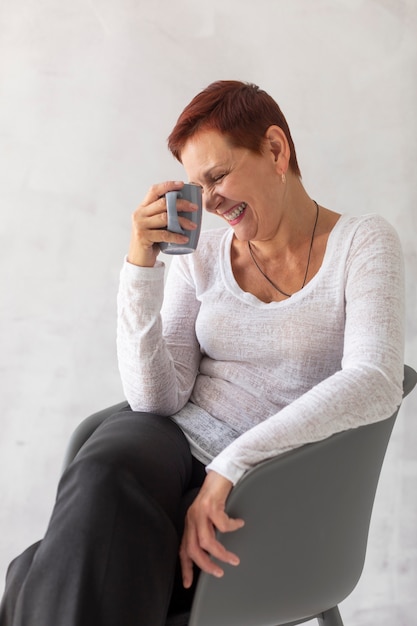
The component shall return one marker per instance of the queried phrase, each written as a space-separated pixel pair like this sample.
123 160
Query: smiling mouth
234 213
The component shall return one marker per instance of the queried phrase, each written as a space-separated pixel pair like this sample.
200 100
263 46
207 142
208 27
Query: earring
283 178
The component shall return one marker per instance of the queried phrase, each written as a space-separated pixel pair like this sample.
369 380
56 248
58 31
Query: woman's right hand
149 223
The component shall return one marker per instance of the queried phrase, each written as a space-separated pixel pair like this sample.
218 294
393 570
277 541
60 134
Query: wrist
142 257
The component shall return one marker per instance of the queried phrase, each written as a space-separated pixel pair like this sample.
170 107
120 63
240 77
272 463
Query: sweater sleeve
368 387
158 361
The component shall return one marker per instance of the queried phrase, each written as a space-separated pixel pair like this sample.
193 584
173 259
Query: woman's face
242 187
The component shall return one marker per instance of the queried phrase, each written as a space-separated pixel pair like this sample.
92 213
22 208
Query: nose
211 199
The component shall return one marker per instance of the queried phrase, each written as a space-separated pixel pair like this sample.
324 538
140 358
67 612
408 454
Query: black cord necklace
283 293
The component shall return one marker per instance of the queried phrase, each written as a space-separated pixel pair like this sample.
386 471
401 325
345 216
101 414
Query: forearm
348 399
152 371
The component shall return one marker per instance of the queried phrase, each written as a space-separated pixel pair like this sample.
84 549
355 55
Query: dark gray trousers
110 553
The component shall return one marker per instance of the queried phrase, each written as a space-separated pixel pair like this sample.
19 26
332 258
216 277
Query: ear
277 145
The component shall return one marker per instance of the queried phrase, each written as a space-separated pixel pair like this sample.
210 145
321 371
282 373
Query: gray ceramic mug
192 193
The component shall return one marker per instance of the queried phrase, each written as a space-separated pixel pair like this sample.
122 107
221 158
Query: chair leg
331 617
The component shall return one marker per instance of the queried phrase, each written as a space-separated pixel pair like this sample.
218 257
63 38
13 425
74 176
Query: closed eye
213 179
218 177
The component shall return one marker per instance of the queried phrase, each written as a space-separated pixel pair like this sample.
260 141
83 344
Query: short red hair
241 111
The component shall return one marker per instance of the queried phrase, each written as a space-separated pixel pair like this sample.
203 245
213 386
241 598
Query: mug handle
171 202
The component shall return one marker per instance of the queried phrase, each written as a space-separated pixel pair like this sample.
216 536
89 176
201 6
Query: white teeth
232 215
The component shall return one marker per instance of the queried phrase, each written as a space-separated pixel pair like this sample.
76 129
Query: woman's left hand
205 516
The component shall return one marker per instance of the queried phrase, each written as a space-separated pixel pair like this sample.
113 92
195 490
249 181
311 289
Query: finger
214 548
144 238
191 552
153 224
166 236
151 209
160 189
186 223
226 524
209 546
159 221
187 569
185 206
151 220
208 541
202 560
155 218
158 210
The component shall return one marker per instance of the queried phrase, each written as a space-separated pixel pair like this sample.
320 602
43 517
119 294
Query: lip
238 219
230 211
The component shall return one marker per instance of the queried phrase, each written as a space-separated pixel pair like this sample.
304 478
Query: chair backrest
307 516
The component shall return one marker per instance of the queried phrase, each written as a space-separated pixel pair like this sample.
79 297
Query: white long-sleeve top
247 380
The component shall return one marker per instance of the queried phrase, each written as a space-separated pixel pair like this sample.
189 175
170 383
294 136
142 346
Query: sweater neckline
233 286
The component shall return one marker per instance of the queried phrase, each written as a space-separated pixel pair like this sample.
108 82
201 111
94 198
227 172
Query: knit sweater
247 380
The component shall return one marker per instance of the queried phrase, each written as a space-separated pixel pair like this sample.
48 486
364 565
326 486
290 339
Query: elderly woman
284 327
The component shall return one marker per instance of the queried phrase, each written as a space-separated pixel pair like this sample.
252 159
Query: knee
89 479
112 442
133 440
147 450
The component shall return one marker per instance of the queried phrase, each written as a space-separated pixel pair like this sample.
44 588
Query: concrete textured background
89 91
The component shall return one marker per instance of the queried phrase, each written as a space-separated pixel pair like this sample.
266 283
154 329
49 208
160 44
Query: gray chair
307 516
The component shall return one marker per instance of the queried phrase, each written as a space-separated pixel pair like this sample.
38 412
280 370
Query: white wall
88 93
